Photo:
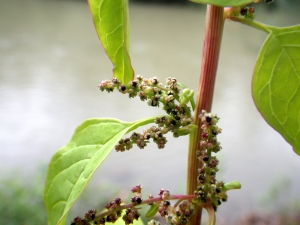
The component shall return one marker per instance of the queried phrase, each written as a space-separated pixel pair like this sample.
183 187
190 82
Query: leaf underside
276 83
73 165
112 26
223 2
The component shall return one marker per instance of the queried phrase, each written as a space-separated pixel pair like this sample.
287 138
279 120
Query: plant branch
146 202
210 56
230 13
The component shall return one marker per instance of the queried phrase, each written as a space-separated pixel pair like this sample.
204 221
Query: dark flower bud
77 220
205 158
90 215
122 87
208 119
108 205
154 80
170 93
214 132
127 140
251 10
133 83
163 119
115 81
118 201
163 213
166 203
138 200
158 134
134 136
201 177
183 220
139 77
108 218
244 11
157 120
173 122
136 189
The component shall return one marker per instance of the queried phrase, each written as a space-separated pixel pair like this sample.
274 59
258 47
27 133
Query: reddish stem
210 56
148 201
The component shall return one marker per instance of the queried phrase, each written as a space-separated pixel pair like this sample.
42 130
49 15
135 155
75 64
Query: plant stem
210 55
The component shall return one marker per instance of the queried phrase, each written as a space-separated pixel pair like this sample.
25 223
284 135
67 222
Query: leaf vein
63 171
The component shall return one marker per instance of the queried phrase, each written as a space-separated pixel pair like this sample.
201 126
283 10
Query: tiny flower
115 81
165 195
122 88
136 189
91 214
204 135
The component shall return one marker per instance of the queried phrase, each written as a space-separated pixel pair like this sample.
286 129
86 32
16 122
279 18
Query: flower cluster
247 12
209 192
153 222
141 140
243 11
137 191
178 119
113 211
179 214
164 194
131 214
155 93
182 213
89 216
209 189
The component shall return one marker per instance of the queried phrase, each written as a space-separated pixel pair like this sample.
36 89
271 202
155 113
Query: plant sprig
209 192
178 120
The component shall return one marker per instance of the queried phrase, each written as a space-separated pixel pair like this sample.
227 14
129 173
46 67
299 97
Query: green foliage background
21 202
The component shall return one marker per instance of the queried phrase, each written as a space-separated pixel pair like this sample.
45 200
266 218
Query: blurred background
51 62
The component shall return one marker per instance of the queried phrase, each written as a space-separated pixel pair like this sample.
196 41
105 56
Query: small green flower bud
148 90
231 185
186 96
186 130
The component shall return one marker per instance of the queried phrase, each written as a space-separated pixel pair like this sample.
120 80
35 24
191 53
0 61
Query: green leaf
152 211
276 83
63 220
73 165
112 25
223 2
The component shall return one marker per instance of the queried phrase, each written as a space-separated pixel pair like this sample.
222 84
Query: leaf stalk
260 26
